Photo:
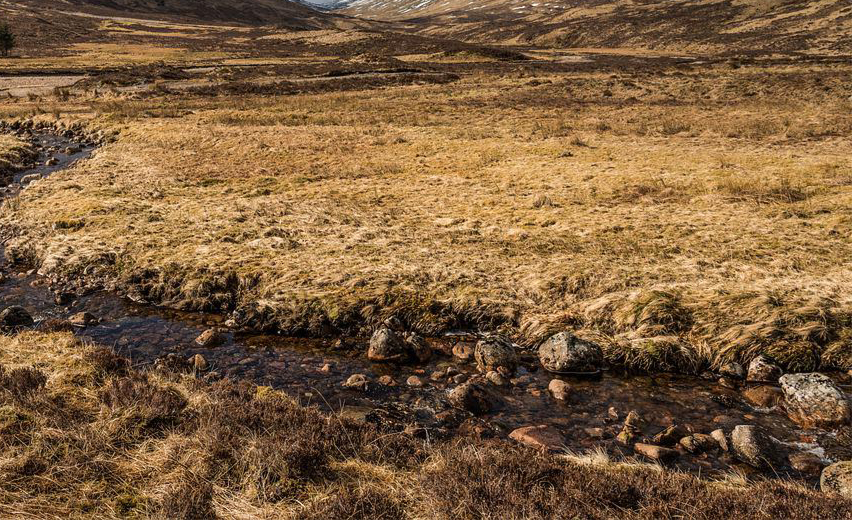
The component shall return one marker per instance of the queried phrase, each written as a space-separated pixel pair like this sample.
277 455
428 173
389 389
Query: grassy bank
683 218
83 435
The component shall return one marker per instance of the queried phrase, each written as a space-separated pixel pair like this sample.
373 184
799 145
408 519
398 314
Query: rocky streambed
561 397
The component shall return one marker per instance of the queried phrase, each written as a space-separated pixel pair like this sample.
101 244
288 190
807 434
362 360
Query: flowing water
313 371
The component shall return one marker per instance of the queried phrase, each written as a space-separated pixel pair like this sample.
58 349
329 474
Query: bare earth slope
821 26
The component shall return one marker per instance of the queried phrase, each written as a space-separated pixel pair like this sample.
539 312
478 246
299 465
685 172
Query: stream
314 370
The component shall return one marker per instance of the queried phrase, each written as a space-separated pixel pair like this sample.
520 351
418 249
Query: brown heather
83 436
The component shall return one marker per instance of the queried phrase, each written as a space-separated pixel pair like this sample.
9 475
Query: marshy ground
683 212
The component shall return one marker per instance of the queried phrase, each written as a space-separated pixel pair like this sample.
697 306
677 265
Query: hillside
281 13
822 26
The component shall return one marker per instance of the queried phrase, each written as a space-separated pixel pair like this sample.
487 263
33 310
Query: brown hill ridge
282 13
821 26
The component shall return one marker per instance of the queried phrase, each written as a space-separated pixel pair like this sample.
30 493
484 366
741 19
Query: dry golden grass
684 219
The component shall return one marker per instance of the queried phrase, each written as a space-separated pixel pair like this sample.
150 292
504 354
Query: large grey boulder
565 352
755 447
814 401
493 352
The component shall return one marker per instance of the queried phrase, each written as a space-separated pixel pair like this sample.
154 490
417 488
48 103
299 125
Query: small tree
7 39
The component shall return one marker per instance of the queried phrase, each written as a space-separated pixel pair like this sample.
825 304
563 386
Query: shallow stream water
313 371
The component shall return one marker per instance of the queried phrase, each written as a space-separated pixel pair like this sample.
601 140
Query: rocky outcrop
814 401
565 352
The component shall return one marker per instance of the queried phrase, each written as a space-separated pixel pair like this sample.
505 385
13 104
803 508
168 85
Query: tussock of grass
83 435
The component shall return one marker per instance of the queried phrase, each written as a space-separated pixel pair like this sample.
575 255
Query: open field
682 206
706 204
84 436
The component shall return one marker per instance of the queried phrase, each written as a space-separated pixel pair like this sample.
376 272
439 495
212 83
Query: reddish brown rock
463 351
559 389
806 463
659 453
543 437
386 380
763 396
210 338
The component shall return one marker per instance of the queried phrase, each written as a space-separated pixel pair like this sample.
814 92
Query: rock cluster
390 346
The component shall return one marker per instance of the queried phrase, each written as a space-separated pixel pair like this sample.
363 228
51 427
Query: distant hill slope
284 13
695 25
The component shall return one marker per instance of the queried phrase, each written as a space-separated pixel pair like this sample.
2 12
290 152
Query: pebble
387 381
495 378
559 389
414 381
199 363
459 378
356 382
